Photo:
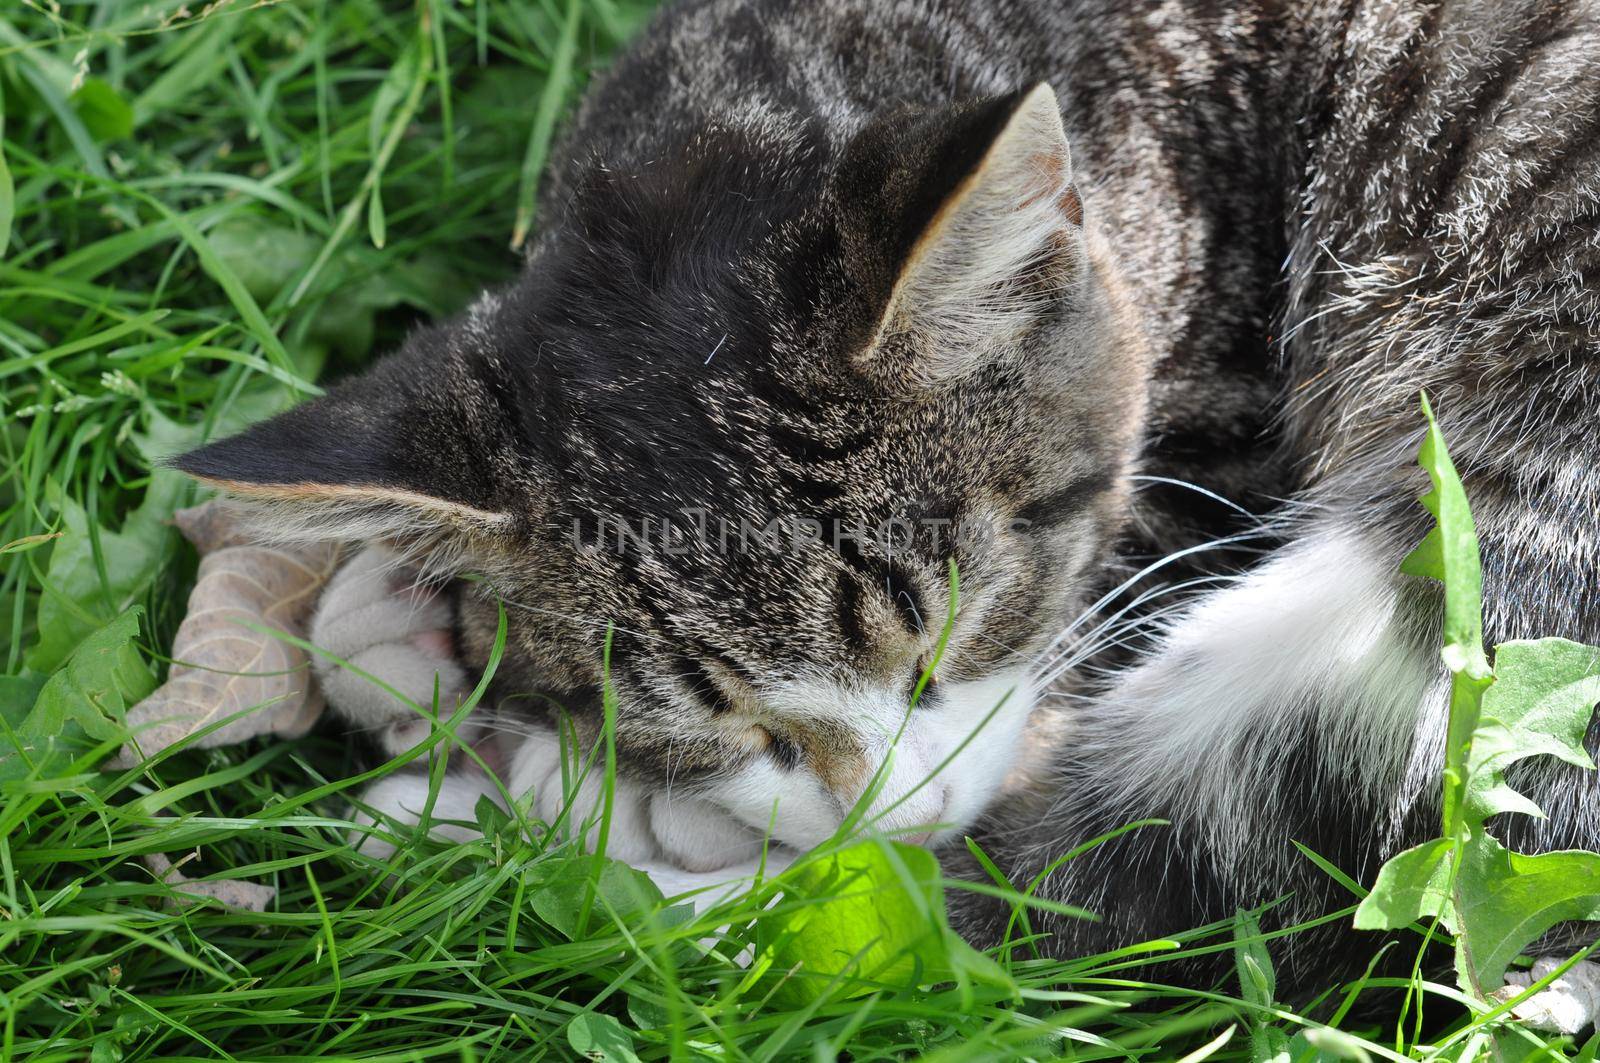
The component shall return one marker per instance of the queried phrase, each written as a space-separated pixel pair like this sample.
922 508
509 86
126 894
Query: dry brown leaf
235 893
221 666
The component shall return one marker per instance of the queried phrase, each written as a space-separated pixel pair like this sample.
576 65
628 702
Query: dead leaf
221 666
235 893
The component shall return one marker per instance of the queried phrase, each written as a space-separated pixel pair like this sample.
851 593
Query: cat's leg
569 794
376 616
697 836
1310 685
705 888
650 825
403 796
1303 702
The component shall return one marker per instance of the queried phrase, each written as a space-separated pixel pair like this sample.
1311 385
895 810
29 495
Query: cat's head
749 405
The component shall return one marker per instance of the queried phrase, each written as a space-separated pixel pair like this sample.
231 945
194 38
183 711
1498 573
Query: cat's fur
832 258
898 331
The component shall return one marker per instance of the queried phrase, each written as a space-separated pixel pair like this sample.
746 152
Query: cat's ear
411 452
983 225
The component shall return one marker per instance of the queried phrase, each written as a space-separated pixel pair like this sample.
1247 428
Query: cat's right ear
412 452
966 225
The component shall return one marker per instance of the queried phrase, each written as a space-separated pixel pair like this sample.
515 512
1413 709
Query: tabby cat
832 295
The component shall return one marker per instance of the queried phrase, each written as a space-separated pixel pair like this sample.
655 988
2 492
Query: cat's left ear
976 209
414 452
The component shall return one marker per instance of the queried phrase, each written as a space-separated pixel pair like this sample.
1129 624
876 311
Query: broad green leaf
619 889
267 257
104 112
600 1037
83 702
1411 886
263 255
1541 702
17 695
646 1011
873 911
1506 900
490 817
75 600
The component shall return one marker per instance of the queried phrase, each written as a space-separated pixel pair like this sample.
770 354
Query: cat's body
790 266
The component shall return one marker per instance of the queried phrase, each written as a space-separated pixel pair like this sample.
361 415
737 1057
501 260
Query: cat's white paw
376 616
536 767
705 859
403 796
697 836
1566 1005
703 889
649 825
684 843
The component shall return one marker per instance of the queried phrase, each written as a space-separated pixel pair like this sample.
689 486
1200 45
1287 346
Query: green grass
204 210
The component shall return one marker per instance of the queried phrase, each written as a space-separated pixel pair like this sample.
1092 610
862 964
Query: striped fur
797 262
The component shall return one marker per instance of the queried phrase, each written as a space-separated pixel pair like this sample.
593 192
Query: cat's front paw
697 836
649 824
702 889
1566 1005
569 798
381 620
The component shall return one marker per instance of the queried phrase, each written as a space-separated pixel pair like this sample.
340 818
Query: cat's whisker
1143 628
501 728
1144 479
1067 695
1076 651
1141 632
1010 651
583 621
671 763
1152 567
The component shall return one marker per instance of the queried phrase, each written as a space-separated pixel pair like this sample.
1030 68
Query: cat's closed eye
713 684
923 667
786 752
907 602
